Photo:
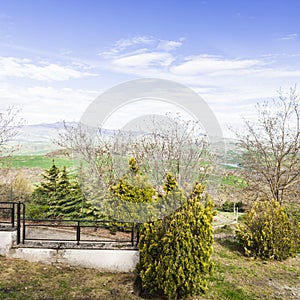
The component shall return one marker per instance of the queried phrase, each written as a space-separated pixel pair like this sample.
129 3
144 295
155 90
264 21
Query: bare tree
271 147
175 146
9 127
162 145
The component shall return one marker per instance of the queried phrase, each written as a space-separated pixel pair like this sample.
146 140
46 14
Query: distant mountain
37 138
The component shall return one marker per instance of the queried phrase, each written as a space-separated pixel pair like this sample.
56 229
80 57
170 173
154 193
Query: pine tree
59 197
48 185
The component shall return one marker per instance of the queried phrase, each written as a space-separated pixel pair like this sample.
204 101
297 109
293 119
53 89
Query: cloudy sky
56 57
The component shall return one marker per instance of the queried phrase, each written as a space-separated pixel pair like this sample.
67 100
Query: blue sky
56 57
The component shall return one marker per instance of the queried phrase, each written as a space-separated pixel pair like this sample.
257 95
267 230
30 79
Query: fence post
138 234
132 234
78 232
24 228
13 215
18 222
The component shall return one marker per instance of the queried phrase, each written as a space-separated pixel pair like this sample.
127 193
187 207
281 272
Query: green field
234 180
44 162
37 161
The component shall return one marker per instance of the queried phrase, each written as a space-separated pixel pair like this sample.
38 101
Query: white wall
106 260
7 238
103 260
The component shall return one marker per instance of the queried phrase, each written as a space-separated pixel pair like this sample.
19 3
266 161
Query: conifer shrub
132 190
59 197
266 232
175 253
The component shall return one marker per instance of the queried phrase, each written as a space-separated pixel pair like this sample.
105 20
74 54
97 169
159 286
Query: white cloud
124 44
145 60
168 45
205 64
139 44
291 36
231 86
42 71
40 104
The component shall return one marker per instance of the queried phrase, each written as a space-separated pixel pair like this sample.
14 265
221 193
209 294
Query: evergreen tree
134 186
128 193
48 185
66 203
59 197
267 232
175 253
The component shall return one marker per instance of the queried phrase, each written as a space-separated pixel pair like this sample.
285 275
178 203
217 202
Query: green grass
37 161
44 162
234 180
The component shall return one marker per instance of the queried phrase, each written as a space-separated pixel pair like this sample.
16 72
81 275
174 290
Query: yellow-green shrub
175 253
267 232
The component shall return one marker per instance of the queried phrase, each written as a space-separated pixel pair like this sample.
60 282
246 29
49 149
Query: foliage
21 186
229 206
132 189
170 184
170 145
17 188
175 253
293 212
267 232
134 186
59 197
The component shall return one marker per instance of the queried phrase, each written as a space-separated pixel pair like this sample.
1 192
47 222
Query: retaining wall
108 260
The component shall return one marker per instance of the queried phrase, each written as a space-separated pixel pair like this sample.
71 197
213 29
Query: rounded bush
267 232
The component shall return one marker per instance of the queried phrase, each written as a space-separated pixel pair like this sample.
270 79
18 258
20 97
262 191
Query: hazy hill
39 139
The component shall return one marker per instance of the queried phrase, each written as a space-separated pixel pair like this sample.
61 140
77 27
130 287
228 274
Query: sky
56 57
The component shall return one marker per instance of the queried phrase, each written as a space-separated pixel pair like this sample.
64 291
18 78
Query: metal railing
81 231
13 216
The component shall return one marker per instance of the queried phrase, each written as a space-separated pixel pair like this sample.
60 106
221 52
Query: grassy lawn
235 277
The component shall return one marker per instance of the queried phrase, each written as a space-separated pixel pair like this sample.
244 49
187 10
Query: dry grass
23 280
235 277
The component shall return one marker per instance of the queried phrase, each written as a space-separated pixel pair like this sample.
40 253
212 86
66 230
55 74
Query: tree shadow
231 244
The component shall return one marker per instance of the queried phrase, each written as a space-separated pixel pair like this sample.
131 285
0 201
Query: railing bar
24 226
18 223
78 233
13 215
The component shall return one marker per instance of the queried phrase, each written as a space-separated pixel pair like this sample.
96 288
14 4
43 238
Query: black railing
81 231
12 216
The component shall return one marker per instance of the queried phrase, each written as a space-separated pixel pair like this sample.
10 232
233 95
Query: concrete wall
103 260
7 239
106 260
